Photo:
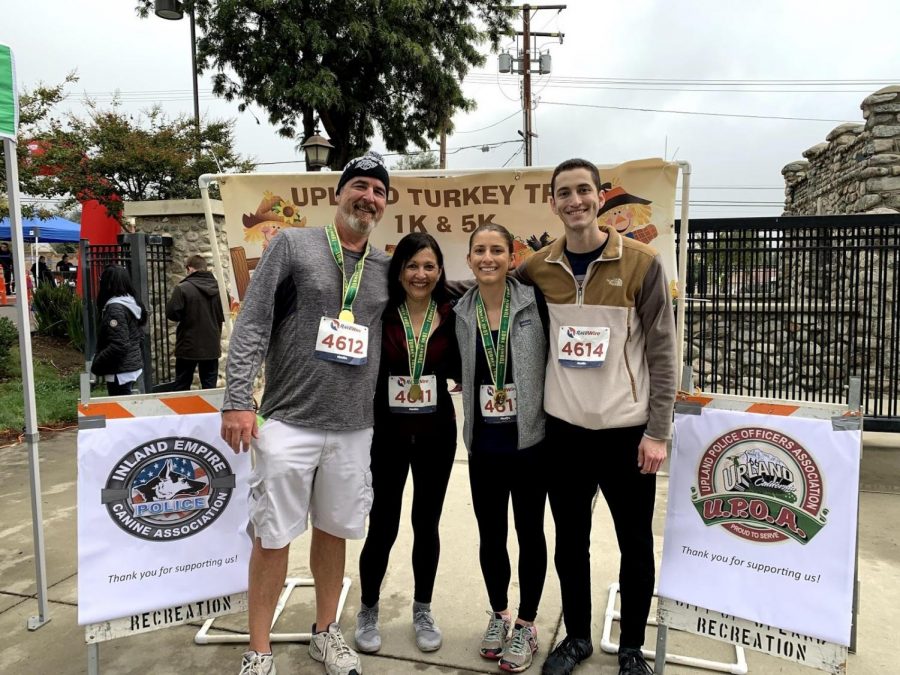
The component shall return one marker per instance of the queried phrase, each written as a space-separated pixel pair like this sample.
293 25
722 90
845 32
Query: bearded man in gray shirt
313 312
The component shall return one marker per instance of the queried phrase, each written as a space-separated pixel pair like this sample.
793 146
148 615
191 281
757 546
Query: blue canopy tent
55 229
34 230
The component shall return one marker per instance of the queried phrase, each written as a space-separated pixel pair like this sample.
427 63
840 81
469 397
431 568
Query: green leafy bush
9 336
75 323
52 307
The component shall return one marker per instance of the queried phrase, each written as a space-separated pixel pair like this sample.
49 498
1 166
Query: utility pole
443 151
525 61
526 78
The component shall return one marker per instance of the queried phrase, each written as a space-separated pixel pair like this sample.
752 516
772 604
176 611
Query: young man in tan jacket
609 393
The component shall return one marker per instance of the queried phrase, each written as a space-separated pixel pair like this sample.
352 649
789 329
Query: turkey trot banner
639 202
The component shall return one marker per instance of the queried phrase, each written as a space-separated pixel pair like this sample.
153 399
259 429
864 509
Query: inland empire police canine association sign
169 488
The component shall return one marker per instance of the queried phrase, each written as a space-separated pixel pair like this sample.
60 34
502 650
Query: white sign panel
162 515
761 520
783 644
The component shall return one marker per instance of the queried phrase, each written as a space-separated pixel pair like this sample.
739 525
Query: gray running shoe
254 663
330 649
520 651
495 636
428 636
368 638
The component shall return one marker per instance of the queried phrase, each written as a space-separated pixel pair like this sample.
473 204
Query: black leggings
584 459
495 477
431 460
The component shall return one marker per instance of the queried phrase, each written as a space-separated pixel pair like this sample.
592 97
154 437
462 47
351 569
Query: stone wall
184 221
856 169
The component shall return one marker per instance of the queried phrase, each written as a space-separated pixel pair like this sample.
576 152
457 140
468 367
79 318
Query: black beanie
371 164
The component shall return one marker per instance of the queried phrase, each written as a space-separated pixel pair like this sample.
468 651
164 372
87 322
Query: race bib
342 342
582 346
495 412
403 397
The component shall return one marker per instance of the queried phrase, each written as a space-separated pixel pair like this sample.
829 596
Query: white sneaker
330 649
254 663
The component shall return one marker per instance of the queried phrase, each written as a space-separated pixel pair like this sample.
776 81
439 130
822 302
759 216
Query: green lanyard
496 357
416 347
351 287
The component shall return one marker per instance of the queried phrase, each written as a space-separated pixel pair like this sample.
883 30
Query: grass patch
56 386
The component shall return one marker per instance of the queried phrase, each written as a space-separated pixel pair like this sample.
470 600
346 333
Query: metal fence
791 307
146 257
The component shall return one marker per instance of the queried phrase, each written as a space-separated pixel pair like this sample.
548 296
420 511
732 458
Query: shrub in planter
52 305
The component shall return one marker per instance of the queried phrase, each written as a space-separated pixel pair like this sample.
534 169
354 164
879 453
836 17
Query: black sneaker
566 655
631 662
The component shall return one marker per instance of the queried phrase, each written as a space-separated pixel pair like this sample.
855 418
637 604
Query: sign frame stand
847 417
204 638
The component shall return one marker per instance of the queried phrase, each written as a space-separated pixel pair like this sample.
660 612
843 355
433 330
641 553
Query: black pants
494 479
115 389
584 459
184 373
431 460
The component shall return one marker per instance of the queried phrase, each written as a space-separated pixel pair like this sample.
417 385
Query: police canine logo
168 489
760 485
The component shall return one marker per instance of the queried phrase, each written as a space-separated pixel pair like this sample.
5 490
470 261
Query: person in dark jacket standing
196 306
6 259
120 334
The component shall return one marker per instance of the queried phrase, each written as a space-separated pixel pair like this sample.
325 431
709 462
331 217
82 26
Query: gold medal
415 393
346 316
500 397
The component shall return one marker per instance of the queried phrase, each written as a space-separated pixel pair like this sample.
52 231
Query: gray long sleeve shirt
296 283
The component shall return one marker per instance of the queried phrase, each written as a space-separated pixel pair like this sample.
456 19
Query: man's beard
355 224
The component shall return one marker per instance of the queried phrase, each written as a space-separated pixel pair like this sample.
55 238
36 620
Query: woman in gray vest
503 350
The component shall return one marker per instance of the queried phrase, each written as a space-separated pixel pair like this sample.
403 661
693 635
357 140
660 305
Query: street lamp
173 10
317 150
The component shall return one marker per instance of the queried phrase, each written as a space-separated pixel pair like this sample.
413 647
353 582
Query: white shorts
301 473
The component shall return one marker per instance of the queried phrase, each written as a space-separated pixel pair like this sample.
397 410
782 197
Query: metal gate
146 257
791 307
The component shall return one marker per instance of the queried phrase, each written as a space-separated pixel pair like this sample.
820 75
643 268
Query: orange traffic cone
2 287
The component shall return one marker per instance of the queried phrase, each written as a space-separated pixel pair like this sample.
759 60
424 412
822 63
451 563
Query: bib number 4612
343 343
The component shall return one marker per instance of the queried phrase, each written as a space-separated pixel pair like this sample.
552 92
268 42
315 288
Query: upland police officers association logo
168 489
760 485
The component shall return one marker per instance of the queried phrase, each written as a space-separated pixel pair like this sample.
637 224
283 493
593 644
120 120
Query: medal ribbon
496 357
351 287
416 347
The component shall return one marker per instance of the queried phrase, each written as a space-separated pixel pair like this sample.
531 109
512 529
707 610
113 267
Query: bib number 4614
582 349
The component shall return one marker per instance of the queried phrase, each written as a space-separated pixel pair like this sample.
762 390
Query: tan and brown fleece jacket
626 290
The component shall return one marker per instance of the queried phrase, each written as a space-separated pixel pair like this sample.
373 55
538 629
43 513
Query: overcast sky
601 71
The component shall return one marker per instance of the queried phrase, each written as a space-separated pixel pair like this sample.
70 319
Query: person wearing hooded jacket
119 359
196 306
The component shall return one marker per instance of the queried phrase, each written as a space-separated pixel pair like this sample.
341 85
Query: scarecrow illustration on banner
272 215
629 214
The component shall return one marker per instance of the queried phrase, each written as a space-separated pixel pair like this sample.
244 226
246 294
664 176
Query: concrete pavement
459 603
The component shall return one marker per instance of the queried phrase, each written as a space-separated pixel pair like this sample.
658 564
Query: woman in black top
415 429
119 357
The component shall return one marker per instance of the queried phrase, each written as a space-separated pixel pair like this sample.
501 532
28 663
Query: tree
111 155
348 64
417 161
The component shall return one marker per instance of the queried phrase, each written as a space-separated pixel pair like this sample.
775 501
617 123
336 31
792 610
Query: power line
692 112
451 151
513 155
720 81
472 131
